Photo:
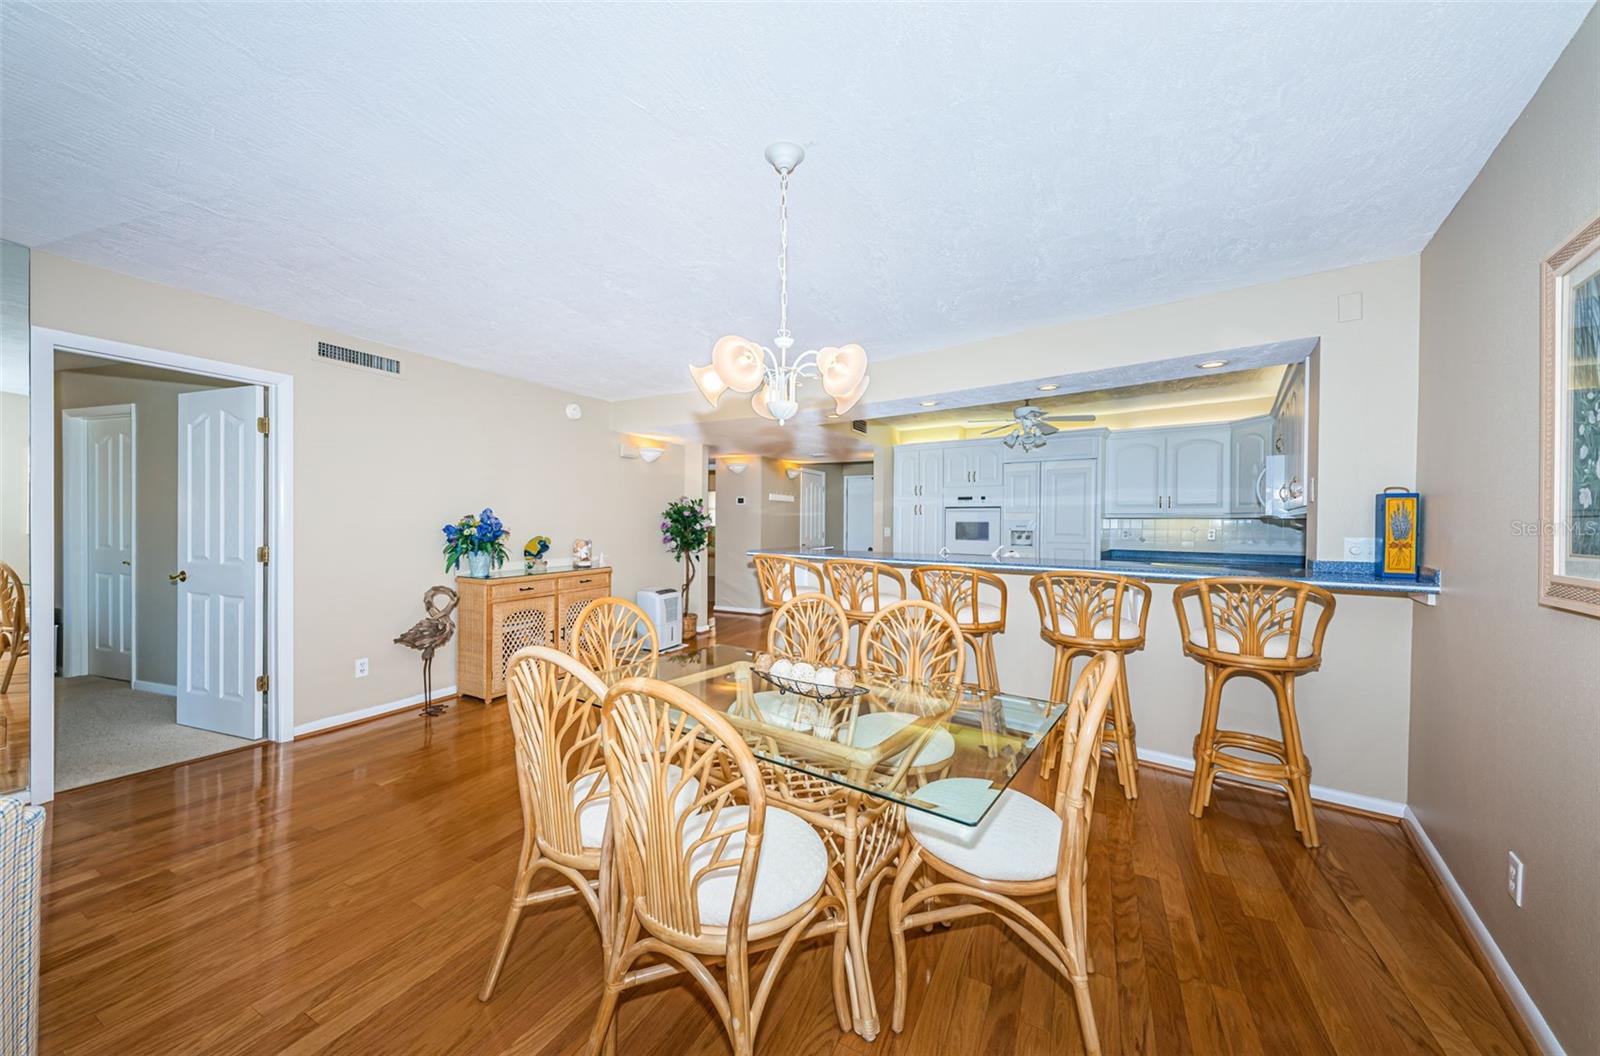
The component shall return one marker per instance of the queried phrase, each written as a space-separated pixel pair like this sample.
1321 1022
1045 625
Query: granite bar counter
1354 711
1341 577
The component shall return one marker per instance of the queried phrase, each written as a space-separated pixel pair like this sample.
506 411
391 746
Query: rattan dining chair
1261 629
1022 850
810 627
561 780
781 578
711 880
914 641
611 634
1081 614
14 637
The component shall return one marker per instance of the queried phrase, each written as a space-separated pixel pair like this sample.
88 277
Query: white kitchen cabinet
1069 519
973 464
1252 442
918 526
1197 471
918 473
1136 466
1020 494
1183 471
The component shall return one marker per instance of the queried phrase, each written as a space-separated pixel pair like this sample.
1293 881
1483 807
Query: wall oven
972 530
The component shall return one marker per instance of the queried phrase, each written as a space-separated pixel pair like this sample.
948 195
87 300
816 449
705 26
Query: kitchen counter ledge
1340 577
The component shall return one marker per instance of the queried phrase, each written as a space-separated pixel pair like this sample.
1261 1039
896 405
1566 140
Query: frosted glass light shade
841 369
709 382
843 403
739 363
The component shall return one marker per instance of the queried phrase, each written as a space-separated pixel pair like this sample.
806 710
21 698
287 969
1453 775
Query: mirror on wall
15 592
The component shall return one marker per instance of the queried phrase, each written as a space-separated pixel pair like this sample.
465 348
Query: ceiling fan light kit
744 366
1032 426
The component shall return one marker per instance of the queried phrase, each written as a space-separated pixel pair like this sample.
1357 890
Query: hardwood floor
343 894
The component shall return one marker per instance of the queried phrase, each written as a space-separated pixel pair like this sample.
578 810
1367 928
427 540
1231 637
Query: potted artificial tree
685 530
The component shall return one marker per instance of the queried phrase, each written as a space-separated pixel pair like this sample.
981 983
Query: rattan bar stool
863 589
1270 630
781 578
977 602
1082 614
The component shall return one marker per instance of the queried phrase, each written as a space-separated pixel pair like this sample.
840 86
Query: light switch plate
1359 549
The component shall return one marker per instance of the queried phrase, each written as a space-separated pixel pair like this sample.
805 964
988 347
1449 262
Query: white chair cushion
592 816
1130 628
886 595
873 727
1018 840
792 868
1275 649
782 709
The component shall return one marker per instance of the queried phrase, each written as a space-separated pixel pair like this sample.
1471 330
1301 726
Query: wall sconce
649 454
794 474
736 468
647 450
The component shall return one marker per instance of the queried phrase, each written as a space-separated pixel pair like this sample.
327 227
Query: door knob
180 576
128 563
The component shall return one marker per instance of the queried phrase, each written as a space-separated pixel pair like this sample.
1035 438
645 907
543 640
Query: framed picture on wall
1569 391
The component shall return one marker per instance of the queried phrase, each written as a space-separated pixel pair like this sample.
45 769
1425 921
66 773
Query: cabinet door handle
584 580
524 590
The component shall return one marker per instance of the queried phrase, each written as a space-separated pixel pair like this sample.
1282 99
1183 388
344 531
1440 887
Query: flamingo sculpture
429 634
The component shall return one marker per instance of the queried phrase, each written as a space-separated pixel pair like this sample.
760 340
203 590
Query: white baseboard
155 687
315 725
761 611
1319 793
1529 1011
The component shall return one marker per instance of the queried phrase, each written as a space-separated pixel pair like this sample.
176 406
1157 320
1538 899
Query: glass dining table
852 762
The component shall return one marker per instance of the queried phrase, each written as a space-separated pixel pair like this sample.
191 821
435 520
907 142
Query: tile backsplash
1224 535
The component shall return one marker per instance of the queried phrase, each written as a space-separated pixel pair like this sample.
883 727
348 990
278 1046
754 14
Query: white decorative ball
782 668
803 672
824 677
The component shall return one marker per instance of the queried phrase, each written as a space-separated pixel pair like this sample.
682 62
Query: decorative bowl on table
808 680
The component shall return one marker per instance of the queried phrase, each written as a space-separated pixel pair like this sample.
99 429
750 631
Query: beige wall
381 463
156 471
1505 725
758 523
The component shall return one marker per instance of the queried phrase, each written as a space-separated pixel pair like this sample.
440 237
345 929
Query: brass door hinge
261 683
263 424
263 554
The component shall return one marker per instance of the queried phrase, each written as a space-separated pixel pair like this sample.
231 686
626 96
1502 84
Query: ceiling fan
1032 425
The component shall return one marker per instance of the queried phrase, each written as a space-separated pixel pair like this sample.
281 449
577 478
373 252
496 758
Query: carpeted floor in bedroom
106 729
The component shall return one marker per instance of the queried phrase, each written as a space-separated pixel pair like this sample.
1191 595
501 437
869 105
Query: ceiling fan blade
1070 418
1046 429
996 429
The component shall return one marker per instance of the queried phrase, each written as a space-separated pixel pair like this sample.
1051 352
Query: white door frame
41 488
74 536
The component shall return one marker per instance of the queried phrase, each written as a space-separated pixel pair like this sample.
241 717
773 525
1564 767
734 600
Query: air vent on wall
351 358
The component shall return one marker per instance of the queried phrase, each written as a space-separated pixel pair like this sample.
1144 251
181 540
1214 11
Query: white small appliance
664 608
973 530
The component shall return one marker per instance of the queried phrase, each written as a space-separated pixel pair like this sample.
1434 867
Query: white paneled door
219 580
108 513
813 507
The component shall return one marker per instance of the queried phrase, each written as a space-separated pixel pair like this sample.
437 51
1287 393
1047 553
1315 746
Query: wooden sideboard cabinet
499 615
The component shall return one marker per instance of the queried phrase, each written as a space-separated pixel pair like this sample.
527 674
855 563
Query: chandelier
742 365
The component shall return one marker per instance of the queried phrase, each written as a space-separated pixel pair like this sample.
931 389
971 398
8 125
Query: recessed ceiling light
1212 364
930 403
1049 388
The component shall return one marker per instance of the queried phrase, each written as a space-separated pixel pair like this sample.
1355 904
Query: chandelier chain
783 258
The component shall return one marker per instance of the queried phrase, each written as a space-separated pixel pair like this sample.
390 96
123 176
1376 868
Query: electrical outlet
1211 535
1358 549
1514 877
361 668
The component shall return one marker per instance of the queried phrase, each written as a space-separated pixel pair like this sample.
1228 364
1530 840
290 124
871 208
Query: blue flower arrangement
473 535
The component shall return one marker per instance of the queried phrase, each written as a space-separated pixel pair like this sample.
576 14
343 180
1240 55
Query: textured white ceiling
576 194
